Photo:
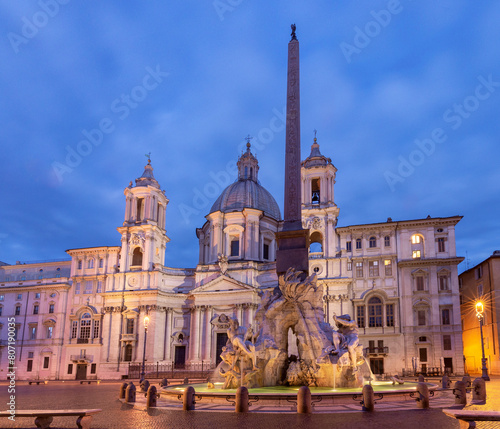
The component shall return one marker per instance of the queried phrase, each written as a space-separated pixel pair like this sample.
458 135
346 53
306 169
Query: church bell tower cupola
143 232
248 166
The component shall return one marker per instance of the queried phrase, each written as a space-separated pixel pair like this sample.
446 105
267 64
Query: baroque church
108 307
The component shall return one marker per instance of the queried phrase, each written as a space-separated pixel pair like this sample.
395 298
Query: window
349 266
130 326
46 361
359 269
388 267
374 312
421 317
70 368
58 275
99 286
29 367
440 242
415 239
422 354
35 309
2 297
387 241
93 368
85 324
415 254
101 262
443 283
235 247
77 289
348 246
480 290
420 283
266 251
74 329
137 256
445 316
37 295
18 310
479 272
80 264
19 296
1 309
372 242
360 316
315 191
139 208
23 278
88 287
90 264
51 308
358 243
422 339
33 333
30 355
50 330
373 268
96 329
446 342
389 311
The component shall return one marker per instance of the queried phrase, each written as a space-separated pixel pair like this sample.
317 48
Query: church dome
247 192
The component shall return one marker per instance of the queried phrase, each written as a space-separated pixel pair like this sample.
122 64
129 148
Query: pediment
223 283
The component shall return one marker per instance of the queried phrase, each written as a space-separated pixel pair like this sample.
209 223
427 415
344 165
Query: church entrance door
81 371
221 342
180 357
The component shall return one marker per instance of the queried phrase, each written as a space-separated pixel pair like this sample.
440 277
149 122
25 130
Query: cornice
429 261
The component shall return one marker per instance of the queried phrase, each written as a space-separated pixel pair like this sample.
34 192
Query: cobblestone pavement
115 414
492 402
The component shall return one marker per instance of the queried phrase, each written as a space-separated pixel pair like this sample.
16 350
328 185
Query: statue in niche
223 263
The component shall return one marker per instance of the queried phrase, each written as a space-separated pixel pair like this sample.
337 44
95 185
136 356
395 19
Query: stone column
208 333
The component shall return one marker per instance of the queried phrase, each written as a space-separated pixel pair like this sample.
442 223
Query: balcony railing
82 358
376 351
82 341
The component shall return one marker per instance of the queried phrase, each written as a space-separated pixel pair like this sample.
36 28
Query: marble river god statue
258 355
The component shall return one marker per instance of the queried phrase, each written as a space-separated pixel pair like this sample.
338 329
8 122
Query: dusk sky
405 97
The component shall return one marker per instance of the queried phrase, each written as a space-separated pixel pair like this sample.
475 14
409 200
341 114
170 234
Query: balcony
376 351
82 358
82 341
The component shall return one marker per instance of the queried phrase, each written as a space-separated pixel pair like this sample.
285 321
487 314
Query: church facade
84 318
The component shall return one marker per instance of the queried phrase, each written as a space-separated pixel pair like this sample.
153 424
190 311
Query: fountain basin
287 395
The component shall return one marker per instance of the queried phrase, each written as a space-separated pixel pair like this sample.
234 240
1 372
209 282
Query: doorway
81 371
221 342
180 357
448 365
377 365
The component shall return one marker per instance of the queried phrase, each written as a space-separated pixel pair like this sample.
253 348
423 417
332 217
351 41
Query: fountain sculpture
258 356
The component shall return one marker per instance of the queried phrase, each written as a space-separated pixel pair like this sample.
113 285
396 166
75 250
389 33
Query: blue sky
405 96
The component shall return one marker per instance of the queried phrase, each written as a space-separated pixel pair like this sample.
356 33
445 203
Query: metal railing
170 370
376 350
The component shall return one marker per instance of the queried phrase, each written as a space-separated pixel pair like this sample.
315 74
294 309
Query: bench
90 381
43 418
467 418
37 382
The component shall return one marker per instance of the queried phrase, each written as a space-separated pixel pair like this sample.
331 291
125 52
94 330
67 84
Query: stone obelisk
293 240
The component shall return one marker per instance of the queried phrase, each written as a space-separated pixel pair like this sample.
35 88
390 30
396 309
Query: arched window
374 312
373 242
85 325
128 353
417 246
316 240
91 263
137 256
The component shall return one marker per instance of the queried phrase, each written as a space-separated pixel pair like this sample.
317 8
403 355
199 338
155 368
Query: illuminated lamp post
146 323
479 314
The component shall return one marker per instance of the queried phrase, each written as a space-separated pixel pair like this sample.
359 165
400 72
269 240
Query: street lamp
146 323
479 314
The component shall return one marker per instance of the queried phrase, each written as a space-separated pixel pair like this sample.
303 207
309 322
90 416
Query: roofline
91 248
399 222
492 256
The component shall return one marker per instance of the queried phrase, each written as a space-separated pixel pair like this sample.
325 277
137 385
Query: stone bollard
368 398
467 381
460 392
151 397
445 382
123 388
241 405
421 378
164 383
188 399
130 393
479 389
423 395
186 381
304 405
144 385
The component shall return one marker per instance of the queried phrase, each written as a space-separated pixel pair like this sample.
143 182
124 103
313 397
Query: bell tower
319 211
143 232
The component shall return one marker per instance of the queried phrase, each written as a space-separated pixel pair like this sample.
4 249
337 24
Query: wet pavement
115 414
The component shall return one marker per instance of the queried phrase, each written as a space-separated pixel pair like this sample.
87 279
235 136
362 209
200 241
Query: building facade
83 318
481 284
